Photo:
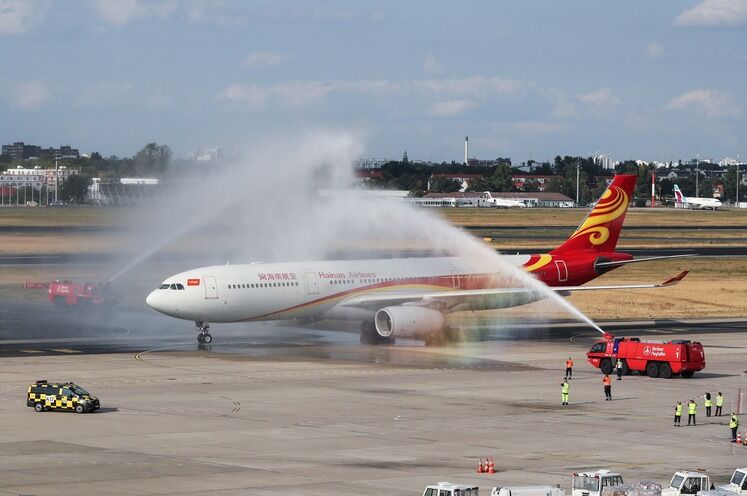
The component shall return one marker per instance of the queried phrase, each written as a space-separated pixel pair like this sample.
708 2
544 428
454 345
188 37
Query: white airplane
695 202
501 202
398 297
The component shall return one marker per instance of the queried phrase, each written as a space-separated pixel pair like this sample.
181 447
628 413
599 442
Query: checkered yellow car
45 395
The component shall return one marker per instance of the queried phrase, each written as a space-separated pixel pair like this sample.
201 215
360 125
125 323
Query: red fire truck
679 357
70 294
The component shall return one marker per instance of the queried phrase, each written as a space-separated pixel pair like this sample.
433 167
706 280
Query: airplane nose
153 300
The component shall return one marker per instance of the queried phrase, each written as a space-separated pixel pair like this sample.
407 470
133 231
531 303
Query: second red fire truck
677 357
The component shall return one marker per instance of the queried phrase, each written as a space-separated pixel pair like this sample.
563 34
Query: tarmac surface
276 409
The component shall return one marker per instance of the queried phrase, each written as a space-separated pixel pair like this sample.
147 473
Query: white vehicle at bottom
738 483
687 483
528 491
449 489
592 483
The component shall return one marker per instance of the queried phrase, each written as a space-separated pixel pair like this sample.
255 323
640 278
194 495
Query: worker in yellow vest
677 413
564 388
692 408
733 425
719 403
708 404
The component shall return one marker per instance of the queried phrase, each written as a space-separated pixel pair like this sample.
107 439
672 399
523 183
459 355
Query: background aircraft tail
601 228
678 196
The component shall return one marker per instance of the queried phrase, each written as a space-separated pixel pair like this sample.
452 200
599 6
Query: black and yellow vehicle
45 395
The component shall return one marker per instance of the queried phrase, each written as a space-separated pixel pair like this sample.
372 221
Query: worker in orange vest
607 387
569 368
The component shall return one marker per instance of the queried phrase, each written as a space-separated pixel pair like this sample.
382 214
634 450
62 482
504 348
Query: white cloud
121 12
217 13
534 128
296 93
29 95
103 93
263 59
600 100
158 99
433 67
711 104
654 50
16 16
714 13
451 107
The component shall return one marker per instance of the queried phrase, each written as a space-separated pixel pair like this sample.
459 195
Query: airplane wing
491 298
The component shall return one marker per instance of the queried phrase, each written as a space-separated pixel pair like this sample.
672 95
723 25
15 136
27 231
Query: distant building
125 191
521 180
36 178
604 161
371 163
21 151
205 155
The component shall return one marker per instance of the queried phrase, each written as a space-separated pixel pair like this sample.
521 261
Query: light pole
697 172
737 199
578 178
57 180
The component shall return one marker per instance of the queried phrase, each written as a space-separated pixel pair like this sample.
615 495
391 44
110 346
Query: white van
448 489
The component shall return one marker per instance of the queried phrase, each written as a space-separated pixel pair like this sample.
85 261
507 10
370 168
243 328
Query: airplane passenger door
562 270
312 283
211 288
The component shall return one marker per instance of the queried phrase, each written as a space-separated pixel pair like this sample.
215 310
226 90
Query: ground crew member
569 368
607 387
708 404
619 367
677 413
692 407
719 403
564 387
733 425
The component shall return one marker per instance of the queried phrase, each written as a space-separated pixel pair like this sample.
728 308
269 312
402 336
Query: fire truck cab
592 483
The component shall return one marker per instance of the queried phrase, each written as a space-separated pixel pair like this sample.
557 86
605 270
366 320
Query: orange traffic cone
491 466
479 466
739 437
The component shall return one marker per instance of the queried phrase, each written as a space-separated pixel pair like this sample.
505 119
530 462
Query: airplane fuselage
312 290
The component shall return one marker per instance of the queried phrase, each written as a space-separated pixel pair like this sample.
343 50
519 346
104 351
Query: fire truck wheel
652 369
38 407
665 371
688 374
606 366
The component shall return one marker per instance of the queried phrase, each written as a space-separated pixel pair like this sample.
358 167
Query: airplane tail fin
678 196
601 228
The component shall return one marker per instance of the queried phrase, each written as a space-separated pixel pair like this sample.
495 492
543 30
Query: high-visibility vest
619 364
678 410
691 407
734 422
708 403
607 381
569 364
719 400
565 388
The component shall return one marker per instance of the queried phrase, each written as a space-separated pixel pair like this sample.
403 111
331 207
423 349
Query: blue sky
654 80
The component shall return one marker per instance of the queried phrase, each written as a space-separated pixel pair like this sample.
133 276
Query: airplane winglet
674 280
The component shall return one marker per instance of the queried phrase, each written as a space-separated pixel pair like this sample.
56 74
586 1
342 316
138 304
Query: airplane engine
408 321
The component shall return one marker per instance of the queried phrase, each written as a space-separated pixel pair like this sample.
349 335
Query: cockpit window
173 286
164 286
179 286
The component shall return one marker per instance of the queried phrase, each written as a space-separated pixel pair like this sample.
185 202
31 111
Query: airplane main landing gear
204 336
370 336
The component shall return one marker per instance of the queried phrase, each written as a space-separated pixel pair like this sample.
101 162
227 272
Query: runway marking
66 350
31 351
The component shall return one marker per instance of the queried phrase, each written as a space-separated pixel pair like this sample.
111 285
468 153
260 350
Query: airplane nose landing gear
204 336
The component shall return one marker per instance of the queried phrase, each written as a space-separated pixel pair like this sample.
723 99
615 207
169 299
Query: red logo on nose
193 282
